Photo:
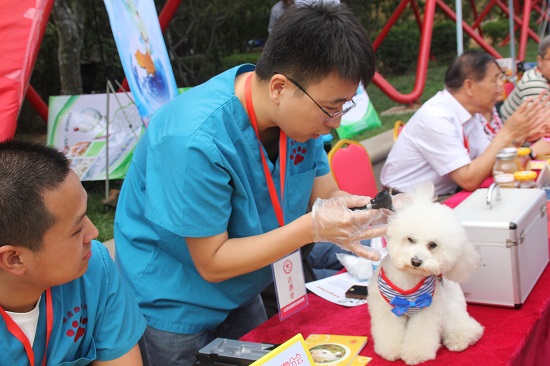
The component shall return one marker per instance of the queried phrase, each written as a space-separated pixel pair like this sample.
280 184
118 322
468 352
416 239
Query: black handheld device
381 200
357 292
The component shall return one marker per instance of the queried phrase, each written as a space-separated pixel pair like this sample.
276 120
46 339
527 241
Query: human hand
334 221
541 147
523 120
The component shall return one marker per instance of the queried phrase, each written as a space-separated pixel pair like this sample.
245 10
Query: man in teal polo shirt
221 183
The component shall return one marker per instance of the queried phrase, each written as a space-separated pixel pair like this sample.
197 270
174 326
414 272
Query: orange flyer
336 350
360 361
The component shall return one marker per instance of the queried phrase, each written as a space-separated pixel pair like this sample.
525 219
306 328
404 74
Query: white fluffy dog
415 301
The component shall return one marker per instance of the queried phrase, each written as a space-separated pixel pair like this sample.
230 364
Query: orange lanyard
282 154
18 333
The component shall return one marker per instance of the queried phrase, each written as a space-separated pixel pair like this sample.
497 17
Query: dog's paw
388 353
460 339
414 358
389 356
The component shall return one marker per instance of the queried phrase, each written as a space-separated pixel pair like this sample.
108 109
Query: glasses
331 116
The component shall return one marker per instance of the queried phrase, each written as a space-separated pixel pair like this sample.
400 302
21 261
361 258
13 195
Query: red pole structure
37 102
422 67
31 95
167 13
165 17
468 30
524 29
416 12
518 21
391 22
483 14
474 10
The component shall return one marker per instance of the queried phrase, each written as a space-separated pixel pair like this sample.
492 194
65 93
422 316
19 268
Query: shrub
398 52
443 47
240 58
496 31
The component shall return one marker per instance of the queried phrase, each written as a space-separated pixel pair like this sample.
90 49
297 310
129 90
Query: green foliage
102 216
443 46
239 59
45 76
496 31
213 29
398 52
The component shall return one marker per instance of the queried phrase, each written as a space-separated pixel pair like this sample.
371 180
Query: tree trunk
68 16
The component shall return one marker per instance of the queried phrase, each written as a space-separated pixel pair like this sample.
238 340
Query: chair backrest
397 128
508 87
351 167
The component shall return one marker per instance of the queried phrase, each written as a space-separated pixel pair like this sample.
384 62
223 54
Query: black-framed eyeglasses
350 104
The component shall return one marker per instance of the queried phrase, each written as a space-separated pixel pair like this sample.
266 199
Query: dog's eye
432 245
411 240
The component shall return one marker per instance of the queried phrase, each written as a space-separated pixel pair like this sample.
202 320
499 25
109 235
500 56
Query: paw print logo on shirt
78 328
297 155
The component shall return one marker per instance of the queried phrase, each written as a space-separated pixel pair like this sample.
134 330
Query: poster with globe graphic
143 53
77 125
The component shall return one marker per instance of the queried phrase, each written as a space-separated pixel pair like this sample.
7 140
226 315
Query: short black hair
470 65
311 41
27 171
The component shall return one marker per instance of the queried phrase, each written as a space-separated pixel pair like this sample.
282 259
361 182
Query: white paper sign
290 285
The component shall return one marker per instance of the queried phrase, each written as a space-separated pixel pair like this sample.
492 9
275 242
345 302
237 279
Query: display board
78 125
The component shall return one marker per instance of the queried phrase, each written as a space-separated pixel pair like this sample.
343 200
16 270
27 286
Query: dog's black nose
416 262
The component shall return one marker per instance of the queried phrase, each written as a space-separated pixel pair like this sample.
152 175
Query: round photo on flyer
329 353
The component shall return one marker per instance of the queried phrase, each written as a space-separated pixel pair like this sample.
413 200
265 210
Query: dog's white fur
411 234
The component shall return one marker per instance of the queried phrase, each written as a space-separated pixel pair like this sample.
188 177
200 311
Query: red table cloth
511 337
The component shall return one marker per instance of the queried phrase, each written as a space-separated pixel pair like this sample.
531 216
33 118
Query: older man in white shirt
444 141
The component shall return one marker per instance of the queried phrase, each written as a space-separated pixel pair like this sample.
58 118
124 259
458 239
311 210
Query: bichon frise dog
415 301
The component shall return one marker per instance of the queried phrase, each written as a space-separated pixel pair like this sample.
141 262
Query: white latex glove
334 221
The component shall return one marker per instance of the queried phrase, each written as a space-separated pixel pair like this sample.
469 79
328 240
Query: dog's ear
421 193
424 192
467 263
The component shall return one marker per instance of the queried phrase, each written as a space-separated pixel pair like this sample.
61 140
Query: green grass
405 84
101 215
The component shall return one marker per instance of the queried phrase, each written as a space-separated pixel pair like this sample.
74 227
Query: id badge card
290 284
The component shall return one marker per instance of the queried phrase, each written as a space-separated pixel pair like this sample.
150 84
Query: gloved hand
333 221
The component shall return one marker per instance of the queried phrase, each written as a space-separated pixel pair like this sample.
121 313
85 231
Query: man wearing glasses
221 183
444 141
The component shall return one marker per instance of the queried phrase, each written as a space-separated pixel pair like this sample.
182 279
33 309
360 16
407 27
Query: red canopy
22 25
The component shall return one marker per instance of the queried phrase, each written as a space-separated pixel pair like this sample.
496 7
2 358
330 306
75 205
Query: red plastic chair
397 128
508 87
351 167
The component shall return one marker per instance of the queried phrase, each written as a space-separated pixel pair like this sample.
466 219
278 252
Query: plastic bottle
523 159
526 179
505 167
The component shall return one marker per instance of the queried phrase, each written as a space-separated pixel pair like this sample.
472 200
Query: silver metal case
512 236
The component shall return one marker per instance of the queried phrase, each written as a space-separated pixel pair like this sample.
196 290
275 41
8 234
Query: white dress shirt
440 137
